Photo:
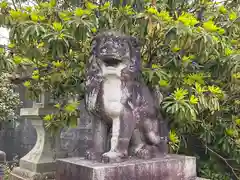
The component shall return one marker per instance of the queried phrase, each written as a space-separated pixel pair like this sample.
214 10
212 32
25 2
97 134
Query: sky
3 36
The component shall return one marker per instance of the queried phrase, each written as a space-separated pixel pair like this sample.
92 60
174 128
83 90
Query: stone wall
77 140
9 142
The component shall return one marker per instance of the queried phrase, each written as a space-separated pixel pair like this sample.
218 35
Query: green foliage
190 50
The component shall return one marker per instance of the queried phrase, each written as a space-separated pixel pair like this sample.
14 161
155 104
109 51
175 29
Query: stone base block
24 174
171 167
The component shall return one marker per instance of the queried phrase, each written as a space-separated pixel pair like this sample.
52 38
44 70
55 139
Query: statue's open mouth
111 62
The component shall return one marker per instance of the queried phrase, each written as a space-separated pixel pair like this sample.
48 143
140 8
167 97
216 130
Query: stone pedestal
40 162
171 167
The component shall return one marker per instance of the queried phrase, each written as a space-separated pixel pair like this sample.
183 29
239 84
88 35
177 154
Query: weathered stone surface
171 167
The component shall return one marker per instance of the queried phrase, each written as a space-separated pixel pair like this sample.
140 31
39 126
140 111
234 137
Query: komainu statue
127 121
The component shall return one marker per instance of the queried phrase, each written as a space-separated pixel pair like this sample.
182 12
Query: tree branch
224 160
14 5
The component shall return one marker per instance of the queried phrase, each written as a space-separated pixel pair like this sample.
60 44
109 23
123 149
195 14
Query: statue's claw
112 157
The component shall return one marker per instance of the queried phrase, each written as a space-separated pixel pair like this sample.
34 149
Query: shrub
9 99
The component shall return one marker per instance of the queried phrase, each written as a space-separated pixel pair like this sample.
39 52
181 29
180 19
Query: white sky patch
4 34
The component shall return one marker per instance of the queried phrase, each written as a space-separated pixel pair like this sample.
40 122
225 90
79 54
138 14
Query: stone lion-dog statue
126 117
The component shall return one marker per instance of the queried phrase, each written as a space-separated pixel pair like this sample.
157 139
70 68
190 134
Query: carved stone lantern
39 163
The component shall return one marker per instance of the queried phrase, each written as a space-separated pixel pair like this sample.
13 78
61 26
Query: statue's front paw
92 155
112 157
